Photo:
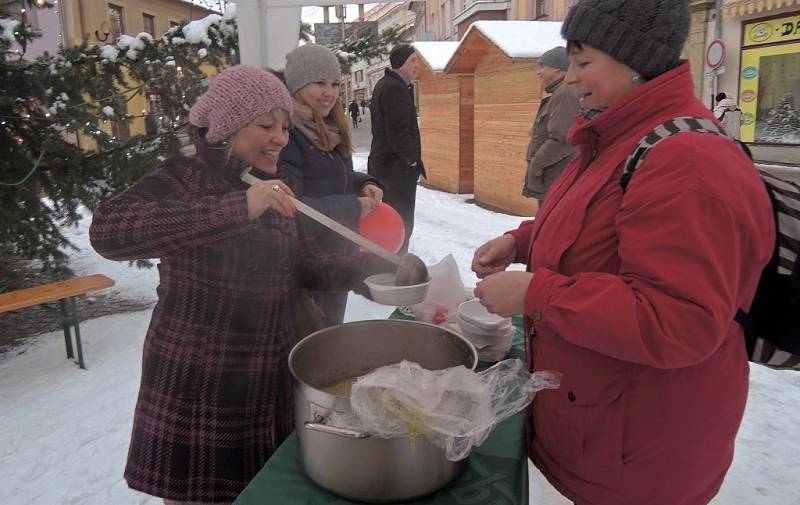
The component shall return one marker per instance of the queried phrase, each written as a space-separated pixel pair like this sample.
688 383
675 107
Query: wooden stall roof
435 55
523 40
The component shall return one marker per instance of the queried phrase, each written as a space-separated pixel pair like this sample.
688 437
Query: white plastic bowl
473 312
383 290
501 338
480 330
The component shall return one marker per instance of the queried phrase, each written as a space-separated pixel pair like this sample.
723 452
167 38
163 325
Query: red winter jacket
633 300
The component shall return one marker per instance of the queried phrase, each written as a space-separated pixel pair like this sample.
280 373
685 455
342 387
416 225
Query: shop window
769 82
117 19
443 21
24 13
540 9
120 130
149 24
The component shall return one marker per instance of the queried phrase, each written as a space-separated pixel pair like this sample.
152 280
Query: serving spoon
410 268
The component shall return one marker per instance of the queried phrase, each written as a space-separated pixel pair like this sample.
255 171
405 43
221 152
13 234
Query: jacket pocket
581 425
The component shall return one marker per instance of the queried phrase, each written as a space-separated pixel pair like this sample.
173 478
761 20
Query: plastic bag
445 293
455 408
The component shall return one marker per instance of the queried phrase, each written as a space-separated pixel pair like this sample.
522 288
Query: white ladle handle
335 226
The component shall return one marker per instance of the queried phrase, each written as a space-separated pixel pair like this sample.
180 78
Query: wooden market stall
445 119
501 55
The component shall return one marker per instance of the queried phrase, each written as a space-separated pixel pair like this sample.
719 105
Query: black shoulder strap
663 132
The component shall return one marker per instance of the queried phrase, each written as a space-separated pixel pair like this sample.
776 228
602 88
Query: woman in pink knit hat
216 395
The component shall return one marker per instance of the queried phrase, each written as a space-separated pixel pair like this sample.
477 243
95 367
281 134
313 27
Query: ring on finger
276 188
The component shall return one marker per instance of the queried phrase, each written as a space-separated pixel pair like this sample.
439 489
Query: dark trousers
400 191
355 121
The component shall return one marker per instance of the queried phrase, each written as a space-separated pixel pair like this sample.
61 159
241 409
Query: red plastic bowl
384 226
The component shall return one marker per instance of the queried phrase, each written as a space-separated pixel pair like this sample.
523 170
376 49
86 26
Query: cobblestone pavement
362 136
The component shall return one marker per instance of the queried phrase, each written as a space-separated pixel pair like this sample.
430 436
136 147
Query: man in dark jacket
549 152
396 157
354 113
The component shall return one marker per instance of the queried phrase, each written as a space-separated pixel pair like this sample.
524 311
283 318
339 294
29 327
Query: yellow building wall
84 17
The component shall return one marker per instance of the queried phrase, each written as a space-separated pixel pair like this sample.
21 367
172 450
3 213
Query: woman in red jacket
632 295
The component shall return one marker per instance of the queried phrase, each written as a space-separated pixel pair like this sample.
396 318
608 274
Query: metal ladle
410 269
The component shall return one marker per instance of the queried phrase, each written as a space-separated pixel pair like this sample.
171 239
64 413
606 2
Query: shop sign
748 95
772 31
749 73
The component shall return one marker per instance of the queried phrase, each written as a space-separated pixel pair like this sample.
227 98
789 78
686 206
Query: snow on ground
65 431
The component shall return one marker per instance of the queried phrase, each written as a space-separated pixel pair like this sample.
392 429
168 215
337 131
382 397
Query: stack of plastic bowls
489 333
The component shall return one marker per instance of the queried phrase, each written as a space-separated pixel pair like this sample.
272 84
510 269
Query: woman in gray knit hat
319 164
632 285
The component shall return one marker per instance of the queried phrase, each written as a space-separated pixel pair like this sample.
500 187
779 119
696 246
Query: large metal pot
352 463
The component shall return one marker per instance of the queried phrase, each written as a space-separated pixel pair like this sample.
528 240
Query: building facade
760 39
450 19
69 23
365 75
763 62
98 22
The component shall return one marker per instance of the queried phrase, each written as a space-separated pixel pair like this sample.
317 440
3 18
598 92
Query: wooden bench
61 292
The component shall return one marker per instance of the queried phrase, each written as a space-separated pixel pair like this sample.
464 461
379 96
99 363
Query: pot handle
319 425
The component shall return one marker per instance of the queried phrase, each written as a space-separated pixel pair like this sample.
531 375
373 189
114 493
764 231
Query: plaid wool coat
215 399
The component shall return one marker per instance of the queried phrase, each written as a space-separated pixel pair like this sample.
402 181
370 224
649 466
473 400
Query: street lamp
106 32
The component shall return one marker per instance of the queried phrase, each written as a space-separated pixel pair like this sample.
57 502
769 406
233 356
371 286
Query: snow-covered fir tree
56 149
783 122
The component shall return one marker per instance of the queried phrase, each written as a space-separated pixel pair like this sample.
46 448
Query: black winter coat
327 182
395 132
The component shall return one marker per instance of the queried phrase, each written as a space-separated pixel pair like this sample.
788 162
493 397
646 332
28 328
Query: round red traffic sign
715 54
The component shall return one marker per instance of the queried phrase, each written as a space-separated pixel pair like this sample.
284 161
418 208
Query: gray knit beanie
310 63
556 58
646 35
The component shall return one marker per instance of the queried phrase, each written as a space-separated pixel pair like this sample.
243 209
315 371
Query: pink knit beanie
235 98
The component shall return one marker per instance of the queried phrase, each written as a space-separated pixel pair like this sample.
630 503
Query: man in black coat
396 156
354 113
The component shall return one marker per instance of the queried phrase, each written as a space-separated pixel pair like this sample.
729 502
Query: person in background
319 164
632 295
363 106
215 399
151 125
549 152
396 155
729 115
354 113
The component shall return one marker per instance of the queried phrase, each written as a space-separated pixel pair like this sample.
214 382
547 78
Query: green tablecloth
497 472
